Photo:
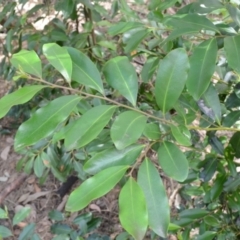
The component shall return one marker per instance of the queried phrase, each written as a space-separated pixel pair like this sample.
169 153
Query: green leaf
21 215
122 27
95 187
156 198
182 135
38 166
5 232
27 61
85 71
149 68
192 21
56 215
3 213
121 75
152 131
20 96
235 142
231 118
211 99
173 227
234 13
132 210
208 235
59 58
202 67
232 49
27 232
173 161
88 126
193 213
171 78
135 39
112 157
44 121
211 221
127 128
180 32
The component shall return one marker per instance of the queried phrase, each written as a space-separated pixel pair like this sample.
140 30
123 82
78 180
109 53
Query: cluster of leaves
112 118
82 225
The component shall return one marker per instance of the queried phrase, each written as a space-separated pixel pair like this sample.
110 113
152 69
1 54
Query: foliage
106 120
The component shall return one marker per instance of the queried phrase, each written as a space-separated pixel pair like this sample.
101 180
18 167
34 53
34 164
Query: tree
104 120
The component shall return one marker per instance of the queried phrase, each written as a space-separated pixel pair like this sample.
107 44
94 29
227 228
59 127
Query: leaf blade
94 187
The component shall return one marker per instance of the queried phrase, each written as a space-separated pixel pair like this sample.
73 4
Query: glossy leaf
173 161
152 131
232 49
85 71
127 128
20 96
21 215
27 61
156 198
132 210
44 121
212 100
192 21
182 135
88 126
202 67
121 75
59 59
94 187
5 232
171 78
112 157
231 118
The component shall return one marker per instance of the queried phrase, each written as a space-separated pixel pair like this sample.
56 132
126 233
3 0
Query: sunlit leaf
156 198
84 71
44 121
28 61
112 157
59 58
121 75
20 96
173 161
87 128
94 187
132 210
127 128
171 78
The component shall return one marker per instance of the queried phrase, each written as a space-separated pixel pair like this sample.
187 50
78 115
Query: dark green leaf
193 213
84 71
38 166
235 142
149 68
211 221
127 128
231 118
59 58
56 215
87 128
202 67
59 228
156 198
28 61
171 78
122 27
208 235
121 75
112 157
232 49
44 121
20 96
173 161
95 187
132 210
